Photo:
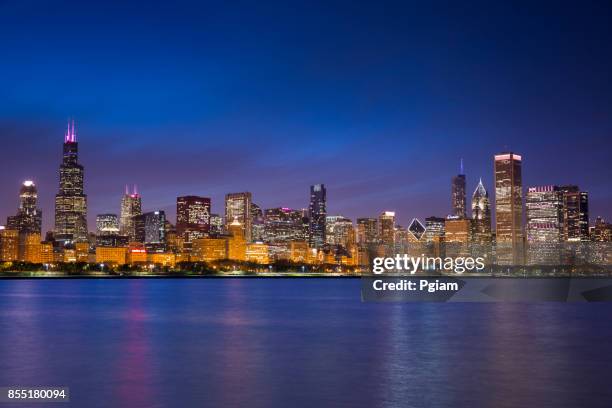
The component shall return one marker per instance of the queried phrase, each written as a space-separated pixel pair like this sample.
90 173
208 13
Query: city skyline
131 202
378 102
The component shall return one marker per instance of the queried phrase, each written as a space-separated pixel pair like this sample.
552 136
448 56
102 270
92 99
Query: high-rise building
192 217
457 236
29 218
367 231
508 208
107 224
238 206
131 207
282 225
216 225
150 228
481 215
9 244
386 230
339 231
71 201
575 214
602 231
544 213
257 223
458 194
317 212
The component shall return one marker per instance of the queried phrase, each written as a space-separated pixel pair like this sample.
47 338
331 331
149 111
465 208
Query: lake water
295 343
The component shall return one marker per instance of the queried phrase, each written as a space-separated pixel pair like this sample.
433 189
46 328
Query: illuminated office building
192 217
386 228
508 209
339 231
257 224
575 214
458 194
367 231
238 206
107 224
481 215
544 213
216 225
457 236
150 227
601 231
71 201
283 225
317 212
9 245
29 218
131 207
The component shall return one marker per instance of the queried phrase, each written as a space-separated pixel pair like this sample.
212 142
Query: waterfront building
458 194
131 207
216 225
46 252
9 244
299 251
257 253
238 206
111 255
508 208
236 245
209 249
316 214
192 217
71 201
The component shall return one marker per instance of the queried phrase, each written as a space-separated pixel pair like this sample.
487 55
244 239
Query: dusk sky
379 101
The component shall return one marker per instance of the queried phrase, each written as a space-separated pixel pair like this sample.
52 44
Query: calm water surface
295 343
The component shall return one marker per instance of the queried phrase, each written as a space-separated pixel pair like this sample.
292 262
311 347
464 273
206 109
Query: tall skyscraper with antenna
71 201
131 207
458 194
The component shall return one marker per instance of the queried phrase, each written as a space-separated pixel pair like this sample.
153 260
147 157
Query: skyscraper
458 194
339 231
367 231
71 201
238 206
192 217
282 225
29 218
481 215
386 229
131 207
575 214
508 208
317 212
150 227
544 213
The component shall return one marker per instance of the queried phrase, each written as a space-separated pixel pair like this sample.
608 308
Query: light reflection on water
295 342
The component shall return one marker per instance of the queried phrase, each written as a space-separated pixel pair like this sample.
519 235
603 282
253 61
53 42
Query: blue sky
379 101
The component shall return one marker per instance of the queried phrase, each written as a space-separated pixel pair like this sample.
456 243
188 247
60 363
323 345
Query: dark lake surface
295 343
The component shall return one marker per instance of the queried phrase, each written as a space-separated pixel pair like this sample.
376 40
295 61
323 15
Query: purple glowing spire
70 136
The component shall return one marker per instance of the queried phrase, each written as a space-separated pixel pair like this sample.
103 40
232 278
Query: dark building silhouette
317 212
